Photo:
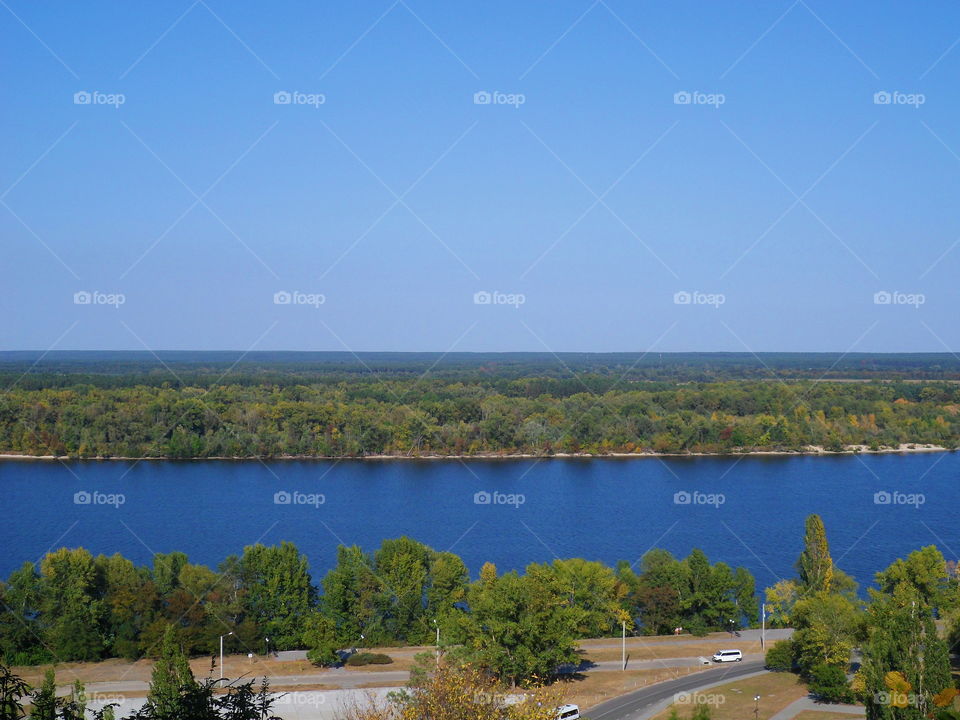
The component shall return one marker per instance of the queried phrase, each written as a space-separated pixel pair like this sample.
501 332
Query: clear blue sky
796 199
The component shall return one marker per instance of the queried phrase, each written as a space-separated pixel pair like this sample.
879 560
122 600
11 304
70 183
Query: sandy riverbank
807 450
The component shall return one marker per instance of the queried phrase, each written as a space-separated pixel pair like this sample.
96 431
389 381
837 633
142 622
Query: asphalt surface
642 703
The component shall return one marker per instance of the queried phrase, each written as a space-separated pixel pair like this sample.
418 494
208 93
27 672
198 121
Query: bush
365 658
780 656
829 683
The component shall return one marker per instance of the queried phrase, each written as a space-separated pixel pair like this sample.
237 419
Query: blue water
598 509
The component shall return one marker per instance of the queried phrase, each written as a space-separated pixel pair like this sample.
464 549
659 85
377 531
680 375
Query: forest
401 416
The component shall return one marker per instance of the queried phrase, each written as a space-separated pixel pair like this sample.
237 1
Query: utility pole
763 623
221 653
623 645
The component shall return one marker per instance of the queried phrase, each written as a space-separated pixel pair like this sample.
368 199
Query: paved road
641 704
346 679
726 640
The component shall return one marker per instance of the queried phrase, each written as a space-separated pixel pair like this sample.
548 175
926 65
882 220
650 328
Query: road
641 704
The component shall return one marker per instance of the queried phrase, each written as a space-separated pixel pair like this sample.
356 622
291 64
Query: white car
727 656
568 712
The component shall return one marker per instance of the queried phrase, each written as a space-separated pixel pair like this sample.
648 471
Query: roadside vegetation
903 632
75 606
503 633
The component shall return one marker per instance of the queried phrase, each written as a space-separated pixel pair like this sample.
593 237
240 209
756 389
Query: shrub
829 683
780 656
365 658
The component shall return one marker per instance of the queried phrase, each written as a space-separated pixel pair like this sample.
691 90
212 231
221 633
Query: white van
727 656
568 712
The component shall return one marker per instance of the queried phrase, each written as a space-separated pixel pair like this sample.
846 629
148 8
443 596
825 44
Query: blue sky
587 198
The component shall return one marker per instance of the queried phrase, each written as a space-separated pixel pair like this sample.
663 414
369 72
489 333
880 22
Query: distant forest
195 405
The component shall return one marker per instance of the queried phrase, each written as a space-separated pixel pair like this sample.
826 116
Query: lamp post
267 641
756 707
763 623
221 652
438 640
623 645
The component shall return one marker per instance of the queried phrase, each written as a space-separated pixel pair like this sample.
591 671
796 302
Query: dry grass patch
734 701
824 715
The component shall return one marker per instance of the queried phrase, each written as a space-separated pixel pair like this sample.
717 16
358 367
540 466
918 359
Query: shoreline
903 449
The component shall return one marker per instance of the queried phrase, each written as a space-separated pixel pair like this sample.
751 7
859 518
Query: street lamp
267 641
221 652
623 645
763 624
756 707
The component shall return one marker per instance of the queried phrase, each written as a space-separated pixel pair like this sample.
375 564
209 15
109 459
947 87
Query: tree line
419 416
75 606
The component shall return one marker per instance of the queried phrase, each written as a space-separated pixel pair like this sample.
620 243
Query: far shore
808 450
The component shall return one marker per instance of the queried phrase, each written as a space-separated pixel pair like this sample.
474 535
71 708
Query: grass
734 701
823 715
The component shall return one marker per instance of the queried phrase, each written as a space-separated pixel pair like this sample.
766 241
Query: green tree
906 664
166 571
815 565
21 599
350 594
44 700
780 599
402 566
829 684
924 570
745 595
280 594
320 639
827 626
779 657
590 588
172 679
522 627
71 607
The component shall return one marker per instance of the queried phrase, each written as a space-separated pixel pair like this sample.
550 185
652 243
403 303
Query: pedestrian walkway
808 703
